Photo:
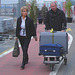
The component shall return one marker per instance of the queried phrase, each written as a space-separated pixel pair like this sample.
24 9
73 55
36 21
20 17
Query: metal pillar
0 7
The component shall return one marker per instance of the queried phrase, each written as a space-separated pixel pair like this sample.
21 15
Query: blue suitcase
55 38
51 49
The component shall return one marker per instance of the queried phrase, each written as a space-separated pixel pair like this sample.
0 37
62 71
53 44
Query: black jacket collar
54 12
21 18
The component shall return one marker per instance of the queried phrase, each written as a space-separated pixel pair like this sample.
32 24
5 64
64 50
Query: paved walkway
73 18
11 66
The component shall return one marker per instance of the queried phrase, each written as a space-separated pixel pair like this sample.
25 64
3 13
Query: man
55 19
44 10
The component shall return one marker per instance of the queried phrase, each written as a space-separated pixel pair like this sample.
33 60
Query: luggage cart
54 51
52 38
52 63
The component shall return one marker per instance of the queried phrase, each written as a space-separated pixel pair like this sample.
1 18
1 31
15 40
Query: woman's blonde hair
24 7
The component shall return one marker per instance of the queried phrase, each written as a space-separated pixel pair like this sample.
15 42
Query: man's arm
47 21
64 21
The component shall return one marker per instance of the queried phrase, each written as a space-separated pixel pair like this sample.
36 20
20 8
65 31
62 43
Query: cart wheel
51 67
65 61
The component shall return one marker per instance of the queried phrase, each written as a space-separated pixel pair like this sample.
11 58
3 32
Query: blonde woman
24 31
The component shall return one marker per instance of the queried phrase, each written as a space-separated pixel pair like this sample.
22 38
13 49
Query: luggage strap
53 38
52 35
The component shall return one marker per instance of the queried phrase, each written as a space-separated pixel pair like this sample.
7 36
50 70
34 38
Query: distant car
1 38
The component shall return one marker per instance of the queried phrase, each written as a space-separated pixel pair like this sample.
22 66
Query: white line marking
58 65
7 51
70 41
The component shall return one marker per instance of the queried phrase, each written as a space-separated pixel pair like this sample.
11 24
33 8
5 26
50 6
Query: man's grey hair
53 3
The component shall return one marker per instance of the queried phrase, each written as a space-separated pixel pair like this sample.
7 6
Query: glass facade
73 2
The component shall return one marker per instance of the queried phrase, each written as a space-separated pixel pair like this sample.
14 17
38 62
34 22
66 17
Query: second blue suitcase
51 49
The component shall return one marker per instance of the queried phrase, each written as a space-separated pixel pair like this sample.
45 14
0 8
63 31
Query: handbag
16 50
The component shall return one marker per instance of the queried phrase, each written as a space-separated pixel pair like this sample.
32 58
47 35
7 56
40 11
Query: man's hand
62 30
16 38
49 30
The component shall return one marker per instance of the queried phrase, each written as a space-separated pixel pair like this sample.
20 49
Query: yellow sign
69 29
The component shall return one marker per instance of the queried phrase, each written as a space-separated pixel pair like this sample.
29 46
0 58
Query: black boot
23 65
26 62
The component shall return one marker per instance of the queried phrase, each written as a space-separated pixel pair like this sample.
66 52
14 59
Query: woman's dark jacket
29 26
55 20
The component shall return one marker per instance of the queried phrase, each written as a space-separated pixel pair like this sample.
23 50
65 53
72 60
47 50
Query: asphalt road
7 44
69 69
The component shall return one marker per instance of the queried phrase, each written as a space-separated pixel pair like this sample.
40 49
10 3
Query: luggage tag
51 30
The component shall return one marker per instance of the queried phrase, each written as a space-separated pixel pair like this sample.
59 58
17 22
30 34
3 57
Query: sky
16 1
41 1
9 1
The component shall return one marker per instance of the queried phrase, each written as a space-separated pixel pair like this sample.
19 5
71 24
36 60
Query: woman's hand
16 38
35 38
